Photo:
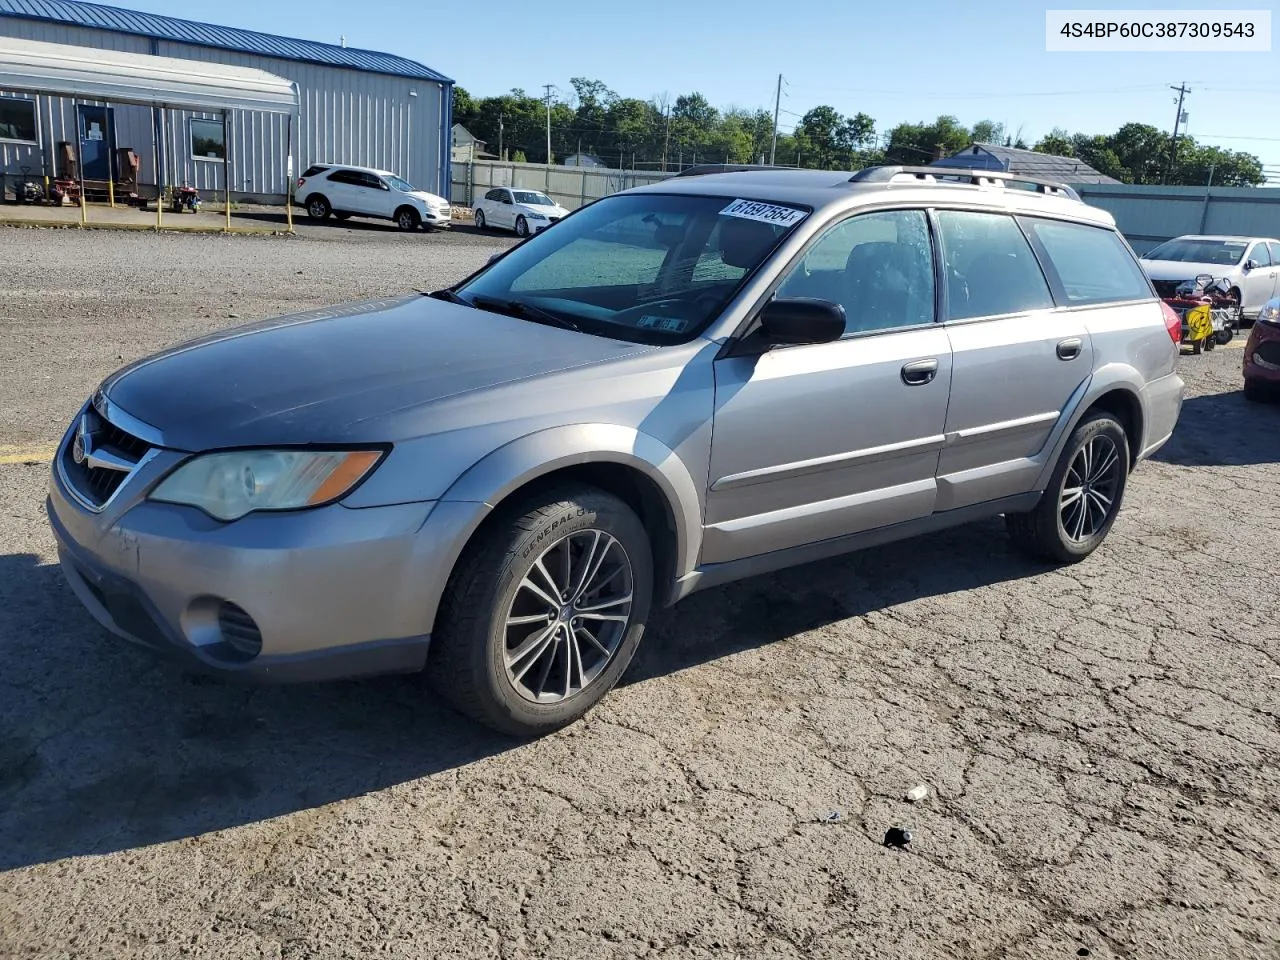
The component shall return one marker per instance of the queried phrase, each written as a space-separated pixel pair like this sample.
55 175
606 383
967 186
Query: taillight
301 181
1172 322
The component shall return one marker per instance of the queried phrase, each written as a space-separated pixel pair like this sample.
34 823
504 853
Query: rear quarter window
1087 264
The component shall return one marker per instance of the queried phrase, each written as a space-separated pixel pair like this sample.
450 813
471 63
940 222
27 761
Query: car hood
1181 270
556 211
341 375
429 198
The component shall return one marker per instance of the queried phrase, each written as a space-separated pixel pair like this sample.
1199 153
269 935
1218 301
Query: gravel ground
1101 742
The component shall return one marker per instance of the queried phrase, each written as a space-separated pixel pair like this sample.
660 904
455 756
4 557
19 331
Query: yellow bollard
111 192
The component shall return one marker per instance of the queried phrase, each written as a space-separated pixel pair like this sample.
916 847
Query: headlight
1270 312
229 485
536 216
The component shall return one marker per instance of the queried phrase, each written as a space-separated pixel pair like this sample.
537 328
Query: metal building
355 106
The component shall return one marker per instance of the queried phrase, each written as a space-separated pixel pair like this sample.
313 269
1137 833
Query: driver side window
878 266
1260 255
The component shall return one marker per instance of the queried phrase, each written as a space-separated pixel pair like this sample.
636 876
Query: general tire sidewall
1080 436
587 514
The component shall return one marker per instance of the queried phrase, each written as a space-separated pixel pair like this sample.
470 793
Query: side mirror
799 320
493 257
1250 265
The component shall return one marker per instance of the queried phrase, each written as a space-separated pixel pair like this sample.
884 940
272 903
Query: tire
1046 531
318 208
499 578
408 219
1197 346
1226 335
480 224
522 227
1256 392
1210 341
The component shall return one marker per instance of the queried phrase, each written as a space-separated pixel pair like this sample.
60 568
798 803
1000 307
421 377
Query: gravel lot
1102 742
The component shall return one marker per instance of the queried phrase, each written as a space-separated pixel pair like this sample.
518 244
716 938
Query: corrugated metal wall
1150 215
346 116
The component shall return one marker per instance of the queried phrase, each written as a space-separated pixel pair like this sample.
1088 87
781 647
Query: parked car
1251 265
346 191
525 211
681 385
1262 355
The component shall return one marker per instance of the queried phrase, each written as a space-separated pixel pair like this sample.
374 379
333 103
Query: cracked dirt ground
1101 742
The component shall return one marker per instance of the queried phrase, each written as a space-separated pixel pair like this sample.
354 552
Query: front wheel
1083 497
522 227
544 612
480 224
407 219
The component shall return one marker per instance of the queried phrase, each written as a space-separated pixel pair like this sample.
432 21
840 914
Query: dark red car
1262 355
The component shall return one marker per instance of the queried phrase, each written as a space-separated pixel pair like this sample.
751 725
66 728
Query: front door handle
1069 349
919 372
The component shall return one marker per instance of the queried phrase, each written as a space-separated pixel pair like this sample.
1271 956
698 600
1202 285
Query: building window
207 141
18 120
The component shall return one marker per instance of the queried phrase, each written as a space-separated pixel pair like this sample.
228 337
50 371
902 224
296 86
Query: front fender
499 474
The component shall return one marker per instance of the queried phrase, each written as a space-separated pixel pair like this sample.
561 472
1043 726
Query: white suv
345 191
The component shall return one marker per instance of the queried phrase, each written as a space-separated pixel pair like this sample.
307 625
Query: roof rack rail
975 177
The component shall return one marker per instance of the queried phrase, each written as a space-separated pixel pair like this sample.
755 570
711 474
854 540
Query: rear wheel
318 208
407 218
1080 503
544 612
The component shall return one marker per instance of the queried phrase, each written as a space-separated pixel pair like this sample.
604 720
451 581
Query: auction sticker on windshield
764 212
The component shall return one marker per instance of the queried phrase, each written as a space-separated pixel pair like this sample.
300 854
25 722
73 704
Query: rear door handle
919 372
1069 349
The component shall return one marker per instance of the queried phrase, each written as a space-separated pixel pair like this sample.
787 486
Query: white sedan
1250 266
524 211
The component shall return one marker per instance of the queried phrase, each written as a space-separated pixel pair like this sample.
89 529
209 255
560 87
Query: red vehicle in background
1262 355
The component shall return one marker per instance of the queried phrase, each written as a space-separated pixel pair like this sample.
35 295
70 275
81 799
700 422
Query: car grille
1268 351
113 455
1166 288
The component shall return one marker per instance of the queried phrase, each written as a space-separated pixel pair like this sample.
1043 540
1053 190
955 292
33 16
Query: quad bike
185 199
1210 314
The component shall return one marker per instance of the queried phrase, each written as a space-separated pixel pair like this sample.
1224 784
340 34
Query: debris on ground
897 837
832 816
916 794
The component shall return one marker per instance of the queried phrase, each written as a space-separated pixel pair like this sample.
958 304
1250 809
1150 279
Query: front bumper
333 592
1262 353
437 219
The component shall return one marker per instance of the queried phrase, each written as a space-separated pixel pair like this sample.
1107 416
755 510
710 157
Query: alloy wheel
1089 489
568 617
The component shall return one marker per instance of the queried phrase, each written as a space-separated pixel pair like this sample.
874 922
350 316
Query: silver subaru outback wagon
677 386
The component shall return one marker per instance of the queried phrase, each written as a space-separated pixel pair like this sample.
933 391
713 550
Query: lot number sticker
764 212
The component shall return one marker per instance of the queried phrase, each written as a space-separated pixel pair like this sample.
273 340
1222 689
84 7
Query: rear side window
1275 251
313 170
345 176
990 267
1091 263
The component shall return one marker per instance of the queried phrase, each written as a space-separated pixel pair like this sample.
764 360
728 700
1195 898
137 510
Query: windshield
533 197
641 267
404 186
1223 253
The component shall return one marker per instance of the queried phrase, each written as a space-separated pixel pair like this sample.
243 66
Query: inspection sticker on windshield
667 324
764 212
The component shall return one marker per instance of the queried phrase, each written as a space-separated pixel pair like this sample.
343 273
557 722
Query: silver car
680 385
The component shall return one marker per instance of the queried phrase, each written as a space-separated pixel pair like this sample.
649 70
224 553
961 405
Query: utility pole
1183 90
501 155
777 108
549 87
666 138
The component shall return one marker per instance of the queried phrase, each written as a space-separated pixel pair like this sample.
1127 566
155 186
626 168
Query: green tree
1057 142
922 143
988 131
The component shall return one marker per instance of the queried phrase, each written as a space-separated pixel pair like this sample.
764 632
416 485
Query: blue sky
897 62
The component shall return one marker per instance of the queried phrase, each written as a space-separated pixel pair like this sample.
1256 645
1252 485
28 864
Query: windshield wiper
524 311
448 295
